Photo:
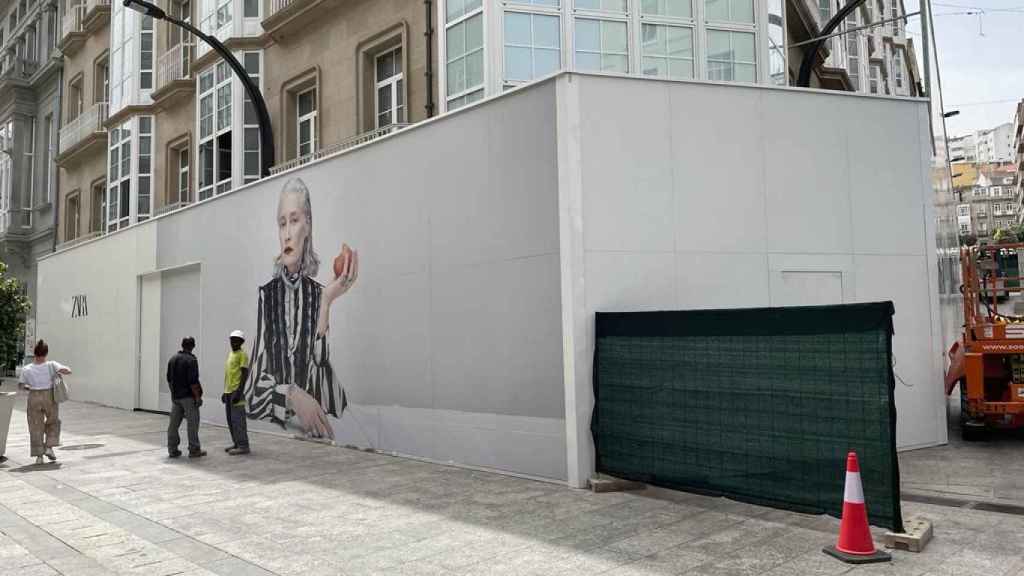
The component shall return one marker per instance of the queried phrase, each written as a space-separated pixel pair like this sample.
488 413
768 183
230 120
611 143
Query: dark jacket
182 375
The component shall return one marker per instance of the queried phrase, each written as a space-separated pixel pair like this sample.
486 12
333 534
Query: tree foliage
14 308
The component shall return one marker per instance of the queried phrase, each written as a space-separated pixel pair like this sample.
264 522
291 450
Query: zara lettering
79 306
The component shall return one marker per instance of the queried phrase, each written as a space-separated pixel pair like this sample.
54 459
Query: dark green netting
760 405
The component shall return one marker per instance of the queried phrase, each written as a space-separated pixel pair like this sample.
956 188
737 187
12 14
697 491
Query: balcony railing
80 239
73 21
15 220
13 68
173 65
335 148
88 123
278 5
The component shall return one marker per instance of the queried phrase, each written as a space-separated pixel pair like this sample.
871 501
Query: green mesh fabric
759 405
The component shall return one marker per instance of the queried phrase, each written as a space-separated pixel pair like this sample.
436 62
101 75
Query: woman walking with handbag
46 390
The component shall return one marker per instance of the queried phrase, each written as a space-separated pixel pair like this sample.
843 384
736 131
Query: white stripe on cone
853 493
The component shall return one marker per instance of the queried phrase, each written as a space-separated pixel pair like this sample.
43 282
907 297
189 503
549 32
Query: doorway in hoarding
168 311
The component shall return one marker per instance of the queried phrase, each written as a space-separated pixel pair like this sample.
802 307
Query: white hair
309 264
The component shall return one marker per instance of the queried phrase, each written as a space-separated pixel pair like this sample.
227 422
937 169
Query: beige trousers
43 421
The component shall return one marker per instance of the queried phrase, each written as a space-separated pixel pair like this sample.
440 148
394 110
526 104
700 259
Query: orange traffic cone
855 545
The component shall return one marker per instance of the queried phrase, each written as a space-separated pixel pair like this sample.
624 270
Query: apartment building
1018 157
995 145
176 125
334 74
30 71
964 149
873 55
82 153
987 199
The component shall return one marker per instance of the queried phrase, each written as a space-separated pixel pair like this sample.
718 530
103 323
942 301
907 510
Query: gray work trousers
183 408
236 424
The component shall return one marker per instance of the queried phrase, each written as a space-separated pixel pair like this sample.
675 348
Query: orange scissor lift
988 361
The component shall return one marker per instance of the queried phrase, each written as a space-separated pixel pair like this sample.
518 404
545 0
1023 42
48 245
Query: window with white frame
731 56
72 216
778 70
853 51
29 199
122 56
48 155
390 89
895 15
964 228
184 184
5 181
601 45
667 51
98 212
146 54
464 52
119 178
214 158
897 68
963 210
251 8
144 178
876 73
533 44
305 118
253 62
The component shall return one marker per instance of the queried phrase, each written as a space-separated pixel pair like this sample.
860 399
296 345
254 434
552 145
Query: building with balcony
1018 157
987 199
30 69
82 151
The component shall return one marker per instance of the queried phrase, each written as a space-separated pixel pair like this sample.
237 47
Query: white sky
982 75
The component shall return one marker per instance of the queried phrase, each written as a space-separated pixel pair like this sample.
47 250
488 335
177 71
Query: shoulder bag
58 388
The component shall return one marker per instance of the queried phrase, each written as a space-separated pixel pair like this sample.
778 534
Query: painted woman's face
292 229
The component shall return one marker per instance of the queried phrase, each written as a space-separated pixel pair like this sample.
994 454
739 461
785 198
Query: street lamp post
266 132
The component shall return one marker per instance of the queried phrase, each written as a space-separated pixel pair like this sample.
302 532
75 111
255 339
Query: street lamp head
146 8
951 113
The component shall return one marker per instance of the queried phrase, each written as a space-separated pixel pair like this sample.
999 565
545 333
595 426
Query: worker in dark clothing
186 398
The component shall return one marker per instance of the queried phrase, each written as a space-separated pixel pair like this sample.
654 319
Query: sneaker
174 454
39 460
49 454
230 448
196 454
238 451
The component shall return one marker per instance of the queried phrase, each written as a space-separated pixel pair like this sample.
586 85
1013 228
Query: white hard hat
238 334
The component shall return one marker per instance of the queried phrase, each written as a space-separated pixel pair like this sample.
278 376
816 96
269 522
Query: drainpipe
56 141
429 74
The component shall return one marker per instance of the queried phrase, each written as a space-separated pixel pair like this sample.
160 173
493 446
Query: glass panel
456 76
718 45
517 29
475 32
251 9
475 68
743 11
614 37
587 61
252 62
385 66
517 64
546 62
126 158
614 63
547 32
455 41
682 69
224 157
400 93
609 5
206 81
145 125
743 46
125 200
680 42
206 164
716 10
588 35
745 73
306 102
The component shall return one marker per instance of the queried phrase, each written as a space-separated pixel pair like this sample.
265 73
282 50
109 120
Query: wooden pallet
917 533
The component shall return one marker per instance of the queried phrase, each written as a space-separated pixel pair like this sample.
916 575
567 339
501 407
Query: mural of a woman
292 382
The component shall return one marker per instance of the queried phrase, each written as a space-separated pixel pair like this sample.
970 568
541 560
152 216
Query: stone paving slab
115 504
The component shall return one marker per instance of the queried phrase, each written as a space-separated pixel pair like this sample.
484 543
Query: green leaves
14 308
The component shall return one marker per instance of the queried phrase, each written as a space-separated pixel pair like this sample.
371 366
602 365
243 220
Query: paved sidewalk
114 504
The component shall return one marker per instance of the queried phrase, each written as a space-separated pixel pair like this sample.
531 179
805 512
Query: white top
38 376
